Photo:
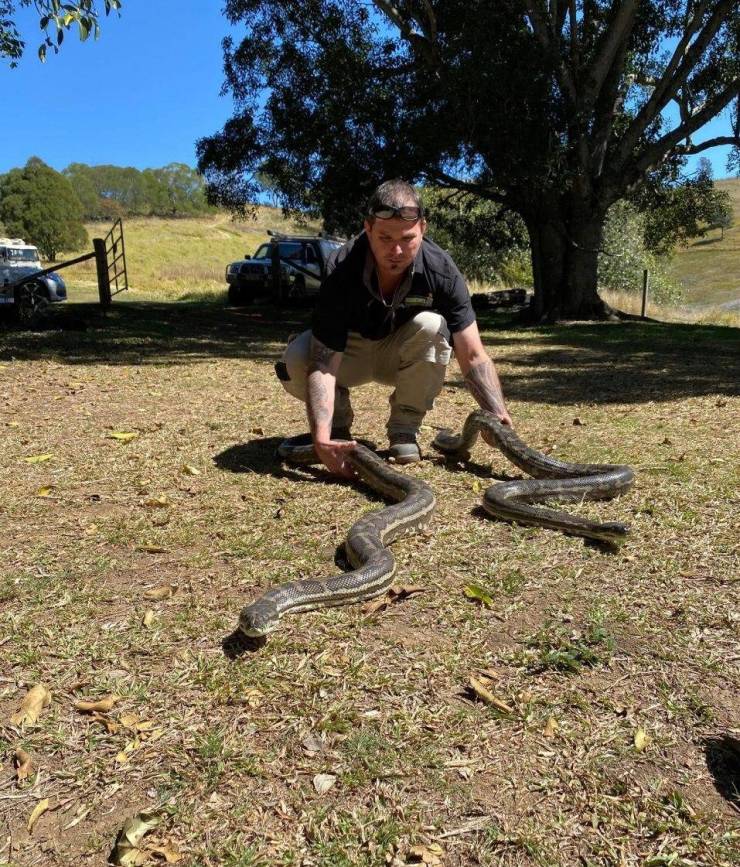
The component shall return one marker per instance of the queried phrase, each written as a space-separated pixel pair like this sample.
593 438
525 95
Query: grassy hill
709 268
184 258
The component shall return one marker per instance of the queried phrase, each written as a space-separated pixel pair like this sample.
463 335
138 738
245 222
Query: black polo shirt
349 299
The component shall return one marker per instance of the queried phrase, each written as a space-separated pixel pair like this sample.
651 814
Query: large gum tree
555 110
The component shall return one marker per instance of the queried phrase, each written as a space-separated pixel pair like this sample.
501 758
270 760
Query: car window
290 250
328 247
263 252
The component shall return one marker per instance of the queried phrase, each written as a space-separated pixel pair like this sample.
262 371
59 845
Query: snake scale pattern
373 565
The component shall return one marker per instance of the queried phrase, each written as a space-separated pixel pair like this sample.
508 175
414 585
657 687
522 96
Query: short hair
394 194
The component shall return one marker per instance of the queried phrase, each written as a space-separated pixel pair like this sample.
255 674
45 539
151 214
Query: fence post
645 280
101 261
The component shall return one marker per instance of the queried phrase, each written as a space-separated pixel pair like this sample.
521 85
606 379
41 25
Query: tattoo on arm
483 383
318 405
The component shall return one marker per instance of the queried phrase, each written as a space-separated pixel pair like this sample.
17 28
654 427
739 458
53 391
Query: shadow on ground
630 362
723 761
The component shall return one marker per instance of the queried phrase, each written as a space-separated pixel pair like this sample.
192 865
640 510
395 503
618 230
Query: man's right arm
323 365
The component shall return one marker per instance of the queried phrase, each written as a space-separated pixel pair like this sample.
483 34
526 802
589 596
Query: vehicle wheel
239 297
31 304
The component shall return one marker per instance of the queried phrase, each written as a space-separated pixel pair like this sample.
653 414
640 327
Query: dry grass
226 750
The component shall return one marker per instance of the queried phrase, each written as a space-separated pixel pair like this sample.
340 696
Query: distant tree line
48 208
108 192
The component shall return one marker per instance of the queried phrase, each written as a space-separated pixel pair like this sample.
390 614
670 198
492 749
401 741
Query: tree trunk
565 250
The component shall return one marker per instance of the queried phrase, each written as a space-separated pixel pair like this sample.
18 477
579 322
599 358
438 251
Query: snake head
259 619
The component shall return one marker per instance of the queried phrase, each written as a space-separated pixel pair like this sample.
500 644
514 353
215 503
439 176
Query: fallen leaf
430 854
257 430
323 782
578 422
312 744
160 502
38 459
38 812
123 436
82 813
126 852
37 698
190 470
148 618
641 740
396 593
45 491
169 852
162 591
22 764
486 696
110 726
150 548
551 727
477 486
479 594
102 705
252 697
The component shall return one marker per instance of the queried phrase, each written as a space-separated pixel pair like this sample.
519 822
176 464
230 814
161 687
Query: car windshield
328 247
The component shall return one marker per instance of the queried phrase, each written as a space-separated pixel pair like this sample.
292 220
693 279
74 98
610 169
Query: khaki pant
412 358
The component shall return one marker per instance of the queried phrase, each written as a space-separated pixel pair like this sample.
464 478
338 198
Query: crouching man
391 309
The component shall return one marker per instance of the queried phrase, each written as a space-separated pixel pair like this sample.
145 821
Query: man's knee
429 338
291 370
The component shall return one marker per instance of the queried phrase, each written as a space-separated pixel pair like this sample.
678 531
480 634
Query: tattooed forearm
318 404
483 383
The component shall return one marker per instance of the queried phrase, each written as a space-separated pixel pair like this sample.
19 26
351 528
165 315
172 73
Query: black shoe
404 448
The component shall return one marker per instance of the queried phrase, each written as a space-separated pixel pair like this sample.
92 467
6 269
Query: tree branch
420 41
449 182
655 152
545 35
615 37
712 143
679 67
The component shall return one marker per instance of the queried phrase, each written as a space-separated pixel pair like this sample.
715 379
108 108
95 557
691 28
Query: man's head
395 226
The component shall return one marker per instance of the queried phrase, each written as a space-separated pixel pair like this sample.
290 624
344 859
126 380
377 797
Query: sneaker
404 448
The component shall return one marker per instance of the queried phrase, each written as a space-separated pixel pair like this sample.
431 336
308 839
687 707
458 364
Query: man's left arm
479 372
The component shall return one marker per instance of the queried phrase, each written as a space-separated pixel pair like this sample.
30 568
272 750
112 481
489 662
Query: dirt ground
142 506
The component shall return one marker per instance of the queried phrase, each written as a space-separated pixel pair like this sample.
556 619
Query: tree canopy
55 19
39 205
553 110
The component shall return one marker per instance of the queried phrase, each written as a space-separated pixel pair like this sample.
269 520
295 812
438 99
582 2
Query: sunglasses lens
408 212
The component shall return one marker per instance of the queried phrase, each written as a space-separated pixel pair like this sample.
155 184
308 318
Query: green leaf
42 53
84 29
479 594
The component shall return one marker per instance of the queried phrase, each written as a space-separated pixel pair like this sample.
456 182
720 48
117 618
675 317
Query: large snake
373 563
554 479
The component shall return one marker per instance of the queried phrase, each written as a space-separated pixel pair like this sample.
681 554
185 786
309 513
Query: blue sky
141 95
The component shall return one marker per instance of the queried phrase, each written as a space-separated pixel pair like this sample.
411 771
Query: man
388 309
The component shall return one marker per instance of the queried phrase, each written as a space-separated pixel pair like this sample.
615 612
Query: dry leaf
148 618
37 698
45 491
102 705
257 430
252 697
110 726
190 470
486 696
323 782
430 854
168 852
551 727
396 593
150 548
38 812
162 591
160 502
641 740
312 744
578 422
123 436
126 852
22 764
38 459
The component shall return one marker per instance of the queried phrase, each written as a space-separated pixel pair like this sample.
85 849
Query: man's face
394 243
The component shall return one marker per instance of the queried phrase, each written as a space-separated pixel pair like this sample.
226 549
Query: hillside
709 268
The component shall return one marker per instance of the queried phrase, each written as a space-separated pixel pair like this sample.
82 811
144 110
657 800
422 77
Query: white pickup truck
19 259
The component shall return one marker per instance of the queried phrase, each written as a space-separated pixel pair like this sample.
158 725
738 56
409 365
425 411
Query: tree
55 19
555 110
39 204
721 215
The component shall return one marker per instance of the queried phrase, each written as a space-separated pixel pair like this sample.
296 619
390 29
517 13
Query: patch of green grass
555 647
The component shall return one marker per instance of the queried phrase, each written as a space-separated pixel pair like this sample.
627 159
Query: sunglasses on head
411 213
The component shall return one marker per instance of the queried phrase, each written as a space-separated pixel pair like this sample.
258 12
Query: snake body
366 544
553 479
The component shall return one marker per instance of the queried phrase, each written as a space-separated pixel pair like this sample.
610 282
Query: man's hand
333 455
